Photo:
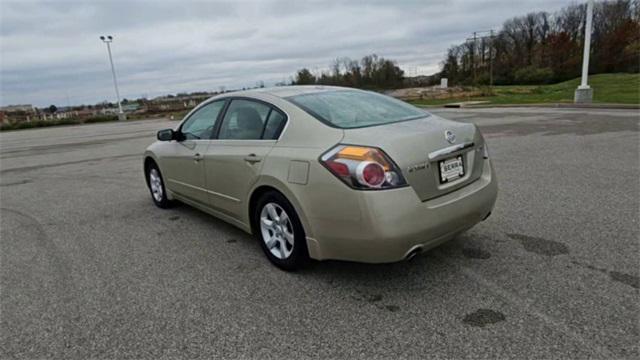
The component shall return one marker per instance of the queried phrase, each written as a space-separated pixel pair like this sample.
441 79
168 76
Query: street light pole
107 40
584 93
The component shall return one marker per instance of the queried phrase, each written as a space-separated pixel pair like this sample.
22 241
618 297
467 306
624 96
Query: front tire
280 233
156 187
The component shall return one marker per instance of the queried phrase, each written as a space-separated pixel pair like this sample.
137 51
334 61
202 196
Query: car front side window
201 123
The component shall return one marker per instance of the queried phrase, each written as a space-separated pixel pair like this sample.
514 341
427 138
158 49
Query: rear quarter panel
303 140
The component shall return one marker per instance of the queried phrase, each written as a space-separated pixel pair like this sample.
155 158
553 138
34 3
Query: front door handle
252 158
197 157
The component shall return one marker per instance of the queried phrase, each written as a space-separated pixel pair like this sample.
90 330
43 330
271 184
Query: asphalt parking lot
90 268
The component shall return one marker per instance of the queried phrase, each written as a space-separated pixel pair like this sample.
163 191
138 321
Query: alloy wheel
155 182
277 230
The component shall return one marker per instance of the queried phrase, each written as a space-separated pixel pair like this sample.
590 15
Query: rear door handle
197 157
252 158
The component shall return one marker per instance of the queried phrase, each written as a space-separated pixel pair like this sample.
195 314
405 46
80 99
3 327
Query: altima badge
450 136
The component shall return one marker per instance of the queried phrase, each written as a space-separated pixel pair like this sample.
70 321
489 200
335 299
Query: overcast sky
51 52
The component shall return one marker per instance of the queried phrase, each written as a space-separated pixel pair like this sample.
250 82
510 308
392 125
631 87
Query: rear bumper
393 223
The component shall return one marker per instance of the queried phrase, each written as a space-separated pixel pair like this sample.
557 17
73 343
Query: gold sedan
326 172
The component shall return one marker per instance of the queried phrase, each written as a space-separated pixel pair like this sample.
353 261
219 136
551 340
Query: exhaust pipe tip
413 252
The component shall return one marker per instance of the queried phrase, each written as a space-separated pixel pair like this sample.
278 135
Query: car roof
292 90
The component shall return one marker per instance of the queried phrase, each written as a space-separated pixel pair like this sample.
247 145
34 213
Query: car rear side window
274 126
244 120
353 109
251 120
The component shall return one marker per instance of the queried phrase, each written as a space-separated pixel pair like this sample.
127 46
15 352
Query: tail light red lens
363 167
370 174
338 168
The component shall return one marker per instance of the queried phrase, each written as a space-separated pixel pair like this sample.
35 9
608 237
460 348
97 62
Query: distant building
84 113
130 107
17 113
175 103
109 111
28 108
56 116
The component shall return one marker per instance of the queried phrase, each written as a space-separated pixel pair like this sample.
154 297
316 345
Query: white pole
587 46
584 93
115 81
107 40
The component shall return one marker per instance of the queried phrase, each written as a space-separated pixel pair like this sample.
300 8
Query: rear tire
279 231
155 181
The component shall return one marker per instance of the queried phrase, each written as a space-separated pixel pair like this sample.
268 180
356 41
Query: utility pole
491 61
474 41
107 40
584 93
473 58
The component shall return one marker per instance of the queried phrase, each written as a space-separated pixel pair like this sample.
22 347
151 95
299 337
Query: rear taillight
363 167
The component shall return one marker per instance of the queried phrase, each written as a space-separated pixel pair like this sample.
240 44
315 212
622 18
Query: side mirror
166 135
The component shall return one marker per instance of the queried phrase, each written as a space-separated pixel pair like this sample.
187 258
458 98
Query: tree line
371 72
544 47
536 48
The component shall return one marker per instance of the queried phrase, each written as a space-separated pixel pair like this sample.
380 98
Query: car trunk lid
419 146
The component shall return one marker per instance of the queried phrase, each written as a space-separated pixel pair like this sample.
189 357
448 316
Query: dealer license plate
451 169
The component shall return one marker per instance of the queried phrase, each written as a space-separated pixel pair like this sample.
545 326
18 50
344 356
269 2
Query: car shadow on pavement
426 270
423 271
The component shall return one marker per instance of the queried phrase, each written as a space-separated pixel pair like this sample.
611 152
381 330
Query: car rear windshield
354 109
